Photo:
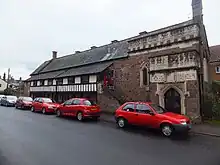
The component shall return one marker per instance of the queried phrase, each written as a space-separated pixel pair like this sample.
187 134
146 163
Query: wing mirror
151 113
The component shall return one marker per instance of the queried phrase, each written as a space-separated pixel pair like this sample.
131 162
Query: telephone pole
8 77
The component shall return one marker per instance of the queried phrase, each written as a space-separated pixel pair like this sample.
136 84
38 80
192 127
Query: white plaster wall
77 80
65 81
92 78
3 85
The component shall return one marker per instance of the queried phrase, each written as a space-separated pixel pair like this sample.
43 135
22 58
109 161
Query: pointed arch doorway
172 100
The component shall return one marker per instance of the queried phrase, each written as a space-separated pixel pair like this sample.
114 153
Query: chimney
54 54
77 52
197 9
93 47
142 33
114 41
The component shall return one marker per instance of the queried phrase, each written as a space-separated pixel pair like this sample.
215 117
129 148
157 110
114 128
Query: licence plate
93 109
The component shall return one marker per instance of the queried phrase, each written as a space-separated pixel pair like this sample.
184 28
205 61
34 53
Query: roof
84 70
48 75
103 53
87 69
215 53
112 51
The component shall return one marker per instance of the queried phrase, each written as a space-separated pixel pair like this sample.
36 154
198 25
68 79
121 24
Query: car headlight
183 123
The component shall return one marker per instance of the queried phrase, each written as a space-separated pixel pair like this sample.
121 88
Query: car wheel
44 111
167 130
79 116
121 122
32 109
16 107
58 113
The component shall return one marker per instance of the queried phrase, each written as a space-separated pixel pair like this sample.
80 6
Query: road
28 138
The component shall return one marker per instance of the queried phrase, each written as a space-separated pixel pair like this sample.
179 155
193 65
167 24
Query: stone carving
180 76
180 34
182 60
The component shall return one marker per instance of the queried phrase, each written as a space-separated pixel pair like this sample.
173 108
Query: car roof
138 102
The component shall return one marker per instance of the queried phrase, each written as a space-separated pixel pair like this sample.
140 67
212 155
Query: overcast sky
31 29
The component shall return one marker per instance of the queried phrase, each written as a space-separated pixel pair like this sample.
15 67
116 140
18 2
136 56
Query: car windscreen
27 99
89 102
47 100
11 97
158 108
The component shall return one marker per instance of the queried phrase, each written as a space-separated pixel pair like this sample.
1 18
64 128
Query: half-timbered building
168 66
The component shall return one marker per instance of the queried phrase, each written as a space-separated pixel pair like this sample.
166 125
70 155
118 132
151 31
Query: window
76 102
26 99
35 83
217 69
60 81
144 77
144 72
50 82
158 108
129 107
85 79
71 80
0 85
47 100
41 82
36 99
68 102
142 108
89 103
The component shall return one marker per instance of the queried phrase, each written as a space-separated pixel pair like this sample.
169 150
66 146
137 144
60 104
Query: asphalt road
28 138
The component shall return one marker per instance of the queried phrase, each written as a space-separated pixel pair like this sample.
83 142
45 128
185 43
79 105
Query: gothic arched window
144 76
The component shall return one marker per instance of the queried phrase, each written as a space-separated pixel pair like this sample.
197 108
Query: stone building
168 66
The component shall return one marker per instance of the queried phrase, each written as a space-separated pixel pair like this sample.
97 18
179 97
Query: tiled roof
103 53
87 69
48 75
215 53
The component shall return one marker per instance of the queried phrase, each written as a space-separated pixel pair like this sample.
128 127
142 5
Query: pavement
28 138
202 129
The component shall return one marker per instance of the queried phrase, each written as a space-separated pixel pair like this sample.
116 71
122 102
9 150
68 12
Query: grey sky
31 29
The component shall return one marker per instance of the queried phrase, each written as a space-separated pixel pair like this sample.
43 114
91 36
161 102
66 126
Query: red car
24 103
44 105
80 108
151 115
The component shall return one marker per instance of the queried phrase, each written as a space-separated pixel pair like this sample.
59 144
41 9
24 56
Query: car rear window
27 99
88 102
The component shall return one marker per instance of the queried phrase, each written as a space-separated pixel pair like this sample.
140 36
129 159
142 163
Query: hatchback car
80 108
151 115
24 103
44 105
8 100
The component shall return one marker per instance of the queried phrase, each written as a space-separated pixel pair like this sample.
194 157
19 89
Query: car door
144 115
128 112
35 103
76 106
66 108
40 104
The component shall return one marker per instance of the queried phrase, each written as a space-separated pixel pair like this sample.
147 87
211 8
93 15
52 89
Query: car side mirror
151 113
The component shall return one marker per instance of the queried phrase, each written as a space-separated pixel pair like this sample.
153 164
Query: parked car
80 108
24 103
44 105
8 100
151 115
